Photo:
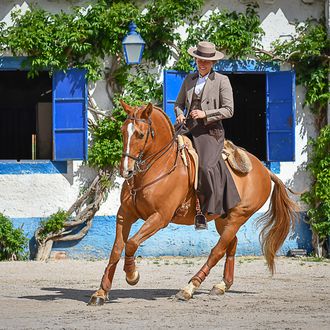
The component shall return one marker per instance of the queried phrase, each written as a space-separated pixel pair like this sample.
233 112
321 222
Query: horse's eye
141 136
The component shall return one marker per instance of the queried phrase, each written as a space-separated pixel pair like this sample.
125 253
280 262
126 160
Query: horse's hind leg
123 227
231 227
228 272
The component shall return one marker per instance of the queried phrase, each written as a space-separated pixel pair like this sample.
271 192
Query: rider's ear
127 108
147 111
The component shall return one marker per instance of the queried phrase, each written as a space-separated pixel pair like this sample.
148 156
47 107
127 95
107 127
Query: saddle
235 156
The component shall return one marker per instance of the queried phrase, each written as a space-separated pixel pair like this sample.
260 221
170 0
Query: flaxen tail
277 222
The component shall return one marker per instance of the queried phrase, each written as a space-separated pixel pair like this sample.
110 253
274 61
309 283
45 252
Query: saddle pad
236 157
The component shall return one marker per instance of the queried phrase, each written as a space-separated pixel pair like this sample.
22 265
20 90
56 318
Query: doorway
247 128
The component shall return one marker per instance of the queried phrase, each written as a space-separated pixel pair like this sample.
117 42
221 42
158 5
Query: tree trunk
44 250
318 245
84 209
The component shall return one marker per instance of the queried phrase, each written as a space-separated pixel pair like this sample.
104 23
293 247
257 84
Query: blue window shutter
172 84
70 115
280 115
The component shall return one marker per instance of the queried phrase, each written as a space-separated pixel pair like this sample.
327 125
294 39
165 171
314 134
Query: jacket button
207 102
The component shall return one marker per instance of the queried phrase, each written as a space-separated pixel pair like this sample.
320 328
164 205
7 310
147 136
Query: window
43 117
264 117
26 116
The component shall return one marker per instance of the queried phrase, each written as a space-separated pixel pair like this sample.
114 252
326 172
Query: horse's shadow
84 295
114 295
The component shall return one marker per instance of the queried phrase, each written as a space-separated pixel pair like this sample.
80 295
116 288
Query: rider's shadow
114 295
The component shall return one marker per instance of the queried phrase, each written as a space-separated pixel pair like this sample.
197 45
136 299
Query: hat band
199 53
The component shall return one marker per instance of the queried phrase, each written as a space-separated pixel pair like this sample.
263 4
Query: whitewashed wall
39 195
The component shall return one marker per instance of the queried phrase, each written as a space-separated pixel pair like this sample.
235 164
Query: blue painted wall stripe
173 240
32 167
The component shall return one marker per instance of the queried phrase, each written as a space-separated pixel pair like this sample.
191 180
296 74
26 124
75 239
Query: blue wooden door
70 115
280 110
280 115
172 84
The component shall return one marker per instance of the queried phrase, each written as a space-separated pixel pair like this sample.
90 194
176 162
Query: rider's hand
197 114
180 119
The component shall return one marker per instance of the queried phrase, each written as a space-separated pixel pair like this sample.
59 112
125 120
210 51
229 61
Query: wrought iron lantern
133 45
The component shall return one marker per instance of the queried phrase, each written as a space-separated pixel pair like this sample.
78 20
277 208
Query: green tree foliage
158 22
308 51
318 198
80 38
83 37
53 223
237 34
13 242
106 148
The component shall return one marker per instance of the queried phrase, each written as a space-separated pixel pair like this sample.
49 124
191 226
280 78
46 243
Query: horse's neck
163 132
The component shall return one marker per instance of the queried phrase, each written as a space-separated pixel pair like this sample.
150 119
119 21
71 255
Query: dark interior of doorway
19 101
247 128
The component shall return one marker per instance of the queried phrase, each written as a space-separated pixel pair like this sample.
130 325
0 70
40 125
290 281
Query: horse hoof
134 281
219 289
183 295
217 292
96 301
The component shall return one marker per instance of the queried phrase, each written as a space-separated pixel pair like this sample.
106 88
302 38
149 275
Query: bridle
141 164
138 159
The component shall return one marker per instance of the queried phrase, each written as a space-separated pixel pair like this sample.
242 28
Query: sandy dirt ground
54 295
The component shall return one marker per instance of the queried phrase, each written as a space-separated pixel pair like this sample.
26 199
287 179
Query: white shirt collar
201 81
205 77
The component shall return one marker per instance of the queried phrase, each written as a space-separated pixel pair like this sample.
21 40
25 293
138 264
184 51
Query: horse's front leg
123 227
150 227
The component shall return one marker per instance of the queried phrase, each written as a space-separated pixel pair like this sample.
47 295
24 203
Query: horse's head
137 137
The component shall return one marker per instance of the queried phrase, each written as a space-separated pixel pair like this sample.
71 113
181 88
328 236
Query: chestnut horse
157 183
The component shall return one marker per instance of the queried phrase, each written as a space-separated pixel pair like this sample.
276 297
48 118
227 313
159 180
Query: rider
207 97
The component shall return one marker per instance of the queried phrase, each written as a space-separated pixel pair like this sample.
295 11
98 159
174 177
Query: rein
138 160
133 190
153 157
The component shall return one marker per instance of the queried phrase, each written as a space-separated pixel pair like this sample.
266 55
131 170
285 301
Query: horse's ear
127 108
147 111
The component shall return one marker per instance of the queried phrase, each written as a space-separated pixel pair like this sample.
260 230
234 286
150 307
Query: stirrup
200 221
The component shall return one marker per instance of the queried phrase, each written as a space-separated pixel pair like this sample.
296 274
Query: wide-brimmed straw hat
206 51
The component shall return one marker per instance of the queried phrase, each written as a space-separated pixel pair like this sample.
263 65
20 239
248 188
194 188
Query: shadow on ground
84 295
143 294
